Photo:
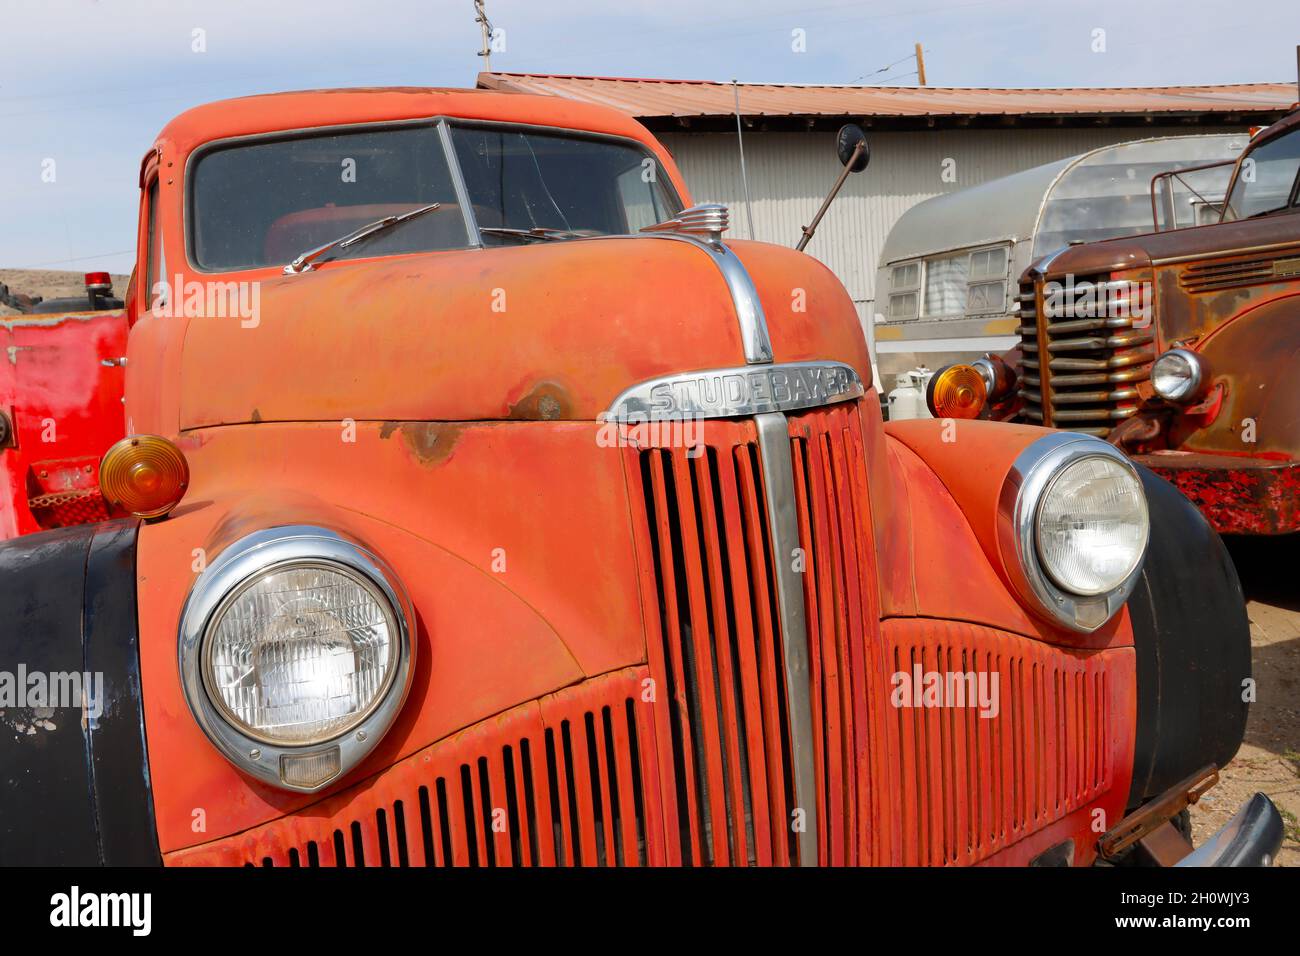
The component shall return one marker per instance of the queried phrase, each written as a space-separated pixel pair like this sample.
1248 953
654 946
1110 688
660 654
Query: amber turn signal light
145 475
956 391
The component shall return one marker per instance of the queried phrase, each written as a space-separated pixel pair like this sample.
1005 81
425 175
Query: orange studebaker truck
481 504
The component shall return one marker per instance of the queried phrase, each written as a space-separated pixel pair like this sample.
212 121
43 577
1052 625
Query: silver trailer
948 271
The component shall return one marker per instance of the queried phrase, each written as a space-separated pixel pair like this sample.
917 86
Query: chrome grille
1081 374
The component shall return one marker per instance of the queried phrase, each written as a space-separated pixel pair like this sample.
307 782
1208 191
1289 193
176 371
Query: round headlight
1177 376
1092 526
300 653
296 654
1073 529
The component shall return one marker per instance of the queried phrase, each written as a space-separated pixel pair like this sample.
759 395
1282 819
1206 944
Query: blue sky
89 84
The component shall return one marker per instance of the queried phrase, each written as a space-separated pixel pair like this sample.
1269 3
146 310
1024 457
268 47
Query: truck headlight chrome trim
1073 529
296 654
1179 376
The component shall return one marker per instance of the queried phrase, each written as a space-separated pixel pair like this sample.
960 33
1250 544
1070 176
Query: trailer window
904 286
945 285
986 292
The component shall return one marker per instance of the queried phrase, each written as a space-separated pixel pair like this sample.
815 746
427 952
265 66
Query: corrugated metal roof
686 98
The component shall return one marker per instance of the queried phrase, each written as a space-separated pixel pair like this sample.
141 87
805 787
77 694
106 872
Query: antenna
744 177
485 27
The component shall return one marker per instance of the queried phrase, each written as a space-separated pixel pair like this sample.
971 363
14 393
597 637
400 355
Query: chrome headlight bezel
1198 377
236 569
1023 490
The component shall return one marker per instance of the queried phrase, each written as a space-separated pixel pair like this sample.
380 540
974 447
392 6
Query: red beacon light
99 281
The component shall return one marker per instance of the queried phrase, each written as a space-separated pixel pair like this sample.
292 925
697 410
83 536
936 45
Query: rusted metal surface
1150 817
1165 845
654 98
1236 495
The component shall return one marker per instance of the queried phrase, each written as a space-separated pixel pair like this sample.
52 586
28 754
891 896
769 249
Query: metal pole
920 66
744 177
485 27
809 229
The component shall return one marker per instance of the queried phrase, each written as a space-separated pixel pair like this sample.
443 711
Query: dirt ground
49 284
1269 759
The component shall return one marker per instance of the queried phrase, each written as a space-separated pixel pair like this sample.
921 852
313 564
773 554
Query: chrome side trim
250 556
1017 528
749 310
783 524
737 391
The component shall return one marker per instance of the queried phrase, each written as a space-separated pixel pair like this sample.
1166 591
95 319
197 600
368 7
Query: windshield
264 203
1266 180
523 179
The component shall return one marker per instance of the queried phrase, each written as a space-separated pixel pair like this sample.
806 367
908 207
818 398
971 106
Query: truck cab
483 504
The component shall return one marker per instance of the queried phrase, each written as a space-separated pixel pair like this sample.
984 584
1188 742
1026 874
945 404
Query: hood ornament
708 220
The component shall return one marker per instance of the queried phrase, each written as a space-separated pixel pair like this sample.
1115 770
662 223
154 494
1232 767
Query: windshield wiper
540 233
304 262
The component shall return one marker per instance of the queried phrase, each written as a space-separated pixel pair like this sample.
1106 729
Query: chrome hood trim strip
783 525
739 391
749 310
754 338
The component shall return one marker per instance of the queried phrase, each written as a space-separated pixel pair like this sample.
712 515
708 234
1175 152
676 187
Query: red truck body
61 387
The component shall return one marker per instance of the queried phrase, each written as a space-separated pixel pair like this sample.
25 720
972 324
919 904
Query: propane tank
907 400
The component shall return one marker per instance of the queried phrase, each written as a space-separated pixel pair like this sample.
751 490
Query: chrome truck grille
1081 366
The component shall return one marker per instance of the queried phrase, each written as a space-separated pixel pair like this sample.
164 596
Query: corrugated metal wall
789 174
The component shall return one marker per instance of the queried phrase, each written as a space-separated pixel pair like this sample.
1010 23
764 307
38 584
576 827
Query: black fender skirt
1193 647
74 776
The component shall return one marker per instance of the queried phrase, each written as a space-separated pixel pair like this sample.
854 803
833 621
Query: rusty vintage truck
1180 346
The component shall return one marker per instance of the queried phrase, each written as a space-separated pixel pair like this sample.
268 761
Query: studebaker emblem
731 392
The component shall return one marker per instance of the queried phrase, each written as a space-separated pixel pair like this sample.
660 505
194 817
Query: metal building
924 142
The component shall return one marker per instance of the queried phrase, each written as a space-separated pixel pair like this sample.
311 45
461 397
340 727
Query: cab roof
308 109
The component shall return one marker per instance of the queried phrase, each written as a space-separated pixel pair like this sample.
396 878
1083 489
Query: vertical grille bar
778 481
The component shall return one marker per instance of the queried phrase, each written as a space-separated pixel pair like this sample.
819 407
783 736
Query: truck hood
1159 248
540 332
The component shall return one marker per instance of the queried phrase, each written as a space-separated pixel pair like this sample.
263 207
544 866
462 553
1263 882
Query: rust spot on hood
547 402
430 442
